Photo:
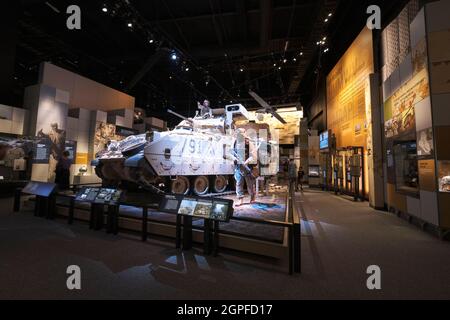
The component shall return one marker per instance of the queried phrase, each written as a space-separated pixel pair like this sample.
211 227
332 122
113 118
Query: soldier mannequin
204 108
242 173
58 141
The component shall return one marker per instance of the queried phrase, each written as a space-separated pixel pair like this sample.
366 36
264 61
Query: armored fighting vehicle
196 156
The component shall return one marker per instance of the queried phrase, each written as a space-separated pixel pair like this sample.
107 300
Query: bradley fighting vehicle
193 157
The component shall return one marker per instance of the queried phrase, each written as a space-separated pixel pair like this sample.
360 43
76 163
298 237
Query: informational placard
42 152
170 204
346 93
42 189
211 208
71 147
399 109
107 196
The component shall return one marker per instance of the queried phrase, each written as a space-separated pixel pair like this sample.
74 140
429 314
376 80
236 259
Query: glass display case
444 176
314 171
406 167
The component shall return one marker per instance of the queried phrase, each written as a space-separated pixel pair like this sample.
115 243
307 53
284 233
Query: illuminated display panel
348 97
346 93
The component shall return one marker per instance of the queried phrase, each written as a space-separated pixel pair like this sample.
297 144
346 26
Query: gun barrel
179 115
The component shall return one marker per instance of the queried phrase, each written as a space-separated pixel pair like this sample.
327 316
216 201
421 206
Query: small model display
444 176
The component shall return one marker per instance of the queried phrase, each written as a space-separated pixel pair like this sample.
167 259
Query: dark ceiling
224 47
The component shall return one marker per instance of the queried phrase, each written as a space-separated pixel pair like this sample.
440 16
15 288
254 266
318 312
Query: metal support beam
266 22
216 24
243 22
146 68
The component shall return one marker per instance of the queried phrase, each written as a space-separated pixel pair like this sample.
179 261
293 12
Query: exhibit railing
292 225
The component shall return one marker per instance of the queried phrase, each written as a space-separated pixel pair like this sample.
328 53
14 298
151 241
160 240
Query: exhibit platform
261 228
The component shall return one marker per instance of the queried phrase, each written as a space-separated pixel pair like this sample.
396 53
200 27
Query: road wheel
201 185
220 184
180 185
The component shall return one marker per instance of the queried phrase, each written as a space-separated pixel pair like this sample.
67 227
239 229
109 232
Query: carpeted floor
340 240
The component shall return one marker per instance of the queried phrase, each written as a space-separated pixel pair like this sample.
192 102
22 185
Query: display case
314 171
425 147
406 167
444 175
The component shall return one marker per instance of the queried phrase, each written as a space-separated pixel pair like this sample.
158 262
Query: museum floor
340 239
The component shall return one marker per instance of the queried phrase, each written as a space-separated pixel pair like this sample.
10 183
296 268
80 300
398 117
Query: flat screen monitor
42 189
220 211
324 140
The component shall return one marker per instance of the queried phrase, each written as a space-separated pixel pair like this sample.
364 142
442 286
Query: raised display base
261 239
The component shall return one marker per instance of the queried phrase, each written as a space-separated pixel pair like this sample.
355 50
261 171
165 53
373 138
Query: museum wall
12 120
84 92
416 99
65 112
438 38
348 98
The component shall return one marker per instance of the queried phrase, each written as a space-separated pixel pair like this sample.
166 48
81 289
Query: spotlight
274 64
130 25
241 69
105 9
301 53
326 20
285 60
330 14
151 41
279 68
187 69
173 56
295 59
